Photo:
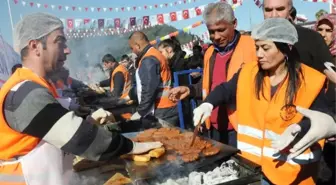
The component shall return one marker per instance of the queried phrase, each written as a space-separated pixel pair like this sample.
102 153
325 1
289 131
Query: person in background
222 60
171 50
15 67
266 93
125 60
311 46
120 81
196 60
153 81
37 133
326 27
292 15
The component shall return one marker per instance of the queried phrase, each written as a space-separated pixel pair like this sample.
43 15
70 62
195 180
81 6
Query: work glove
101 116
139 148
135 116
322 126
202 112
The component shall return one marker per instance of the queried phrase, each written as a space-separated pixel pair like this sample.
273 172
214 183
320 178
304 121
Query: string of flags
80 28
31 4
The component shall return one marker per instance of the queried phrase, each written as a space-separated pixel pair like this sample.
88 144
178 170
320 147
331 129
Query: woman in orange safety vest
265 94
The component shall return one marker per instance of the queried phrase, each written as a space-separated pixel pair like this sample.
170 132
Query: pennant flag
185 14
59 7
173 16
38 5
258 3
52 6
31 4
66 8
16 1
117 23
146 20
45 6
80 9
23 3
110 9
100 23
70 23
78 23
198 11
109 23
132 21
104 9
160 19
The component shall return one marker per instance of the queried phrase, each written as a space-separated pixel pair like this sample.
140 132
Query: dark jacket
226 94
312 48
118 80
178 63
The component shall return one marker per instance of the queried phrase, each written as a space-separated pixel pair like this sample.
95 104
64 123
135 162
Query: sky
247 15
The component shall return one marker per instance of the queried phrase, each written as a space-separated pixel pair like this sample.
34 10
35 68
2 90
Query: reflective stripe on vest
244 52
260 123
162 100
7 178
304 158
127 83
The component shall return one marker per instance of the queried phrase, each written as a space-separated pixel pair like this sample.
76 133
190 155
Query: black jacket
312 48
178 63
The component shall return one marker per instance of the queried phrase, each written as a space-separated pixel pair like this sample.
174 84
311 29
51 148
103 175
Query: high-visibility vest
14 144
127 84
264 120
243 53
162 100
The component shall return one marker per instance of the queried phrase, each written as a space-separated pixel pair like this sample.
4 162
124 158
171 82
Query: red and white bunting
98 9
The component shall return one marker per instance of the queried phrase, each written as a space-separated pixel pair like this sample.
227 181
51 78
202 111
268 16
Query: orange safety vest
264 120
127 85
61 85
14 144
162 100
243 53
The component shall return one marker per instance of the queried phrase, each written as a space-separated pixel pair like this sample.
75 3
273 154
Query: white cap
276 30
34 26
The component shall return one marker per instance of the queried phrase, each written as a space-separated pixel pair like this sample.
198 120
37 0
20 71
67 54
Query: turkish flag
132 21
145 20
173 16
86 21
70 23
117 23
185 14
234 1
160 19
198 11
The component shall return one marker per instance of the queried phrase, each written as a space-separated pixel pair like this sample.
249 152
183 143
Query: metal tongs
196 130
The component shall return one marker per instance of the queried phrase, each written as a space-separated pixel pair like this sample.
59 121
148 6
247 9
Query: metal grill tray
161 167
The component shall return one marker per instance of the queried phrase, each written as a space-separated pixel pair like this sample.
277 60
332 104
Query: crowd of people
269 93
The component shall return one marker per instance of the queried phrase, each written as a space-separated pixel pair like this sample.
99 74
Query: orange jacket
127 85
243 53
264 120
162 100
14 144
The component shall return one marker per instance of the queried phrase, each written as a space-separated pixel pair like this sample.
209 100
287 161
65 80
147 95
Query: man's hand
101 116
178 93
322 126
139 148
